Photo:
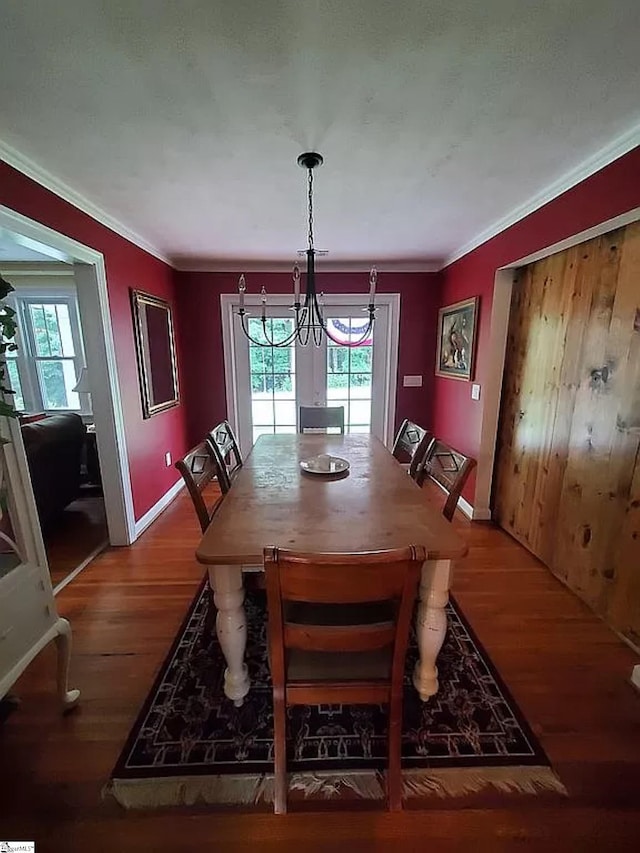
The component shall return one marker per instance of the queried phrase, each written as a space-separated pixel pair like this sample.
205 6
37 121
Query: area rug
190 744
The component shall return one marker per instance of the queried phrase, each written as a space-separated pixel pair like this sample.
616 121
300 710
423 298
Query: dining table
374 505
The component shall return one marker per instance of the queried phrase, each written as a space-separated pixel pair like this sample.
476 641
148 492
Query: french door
266 385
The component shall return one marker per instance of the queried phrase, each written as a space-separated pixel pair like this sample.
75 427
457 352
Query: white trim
91 282
60 188
83 565
465 507
323 266
613 151
150 515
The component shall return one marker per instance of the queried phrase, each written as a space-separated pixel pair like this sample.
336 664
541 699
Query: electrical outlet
167 459
475 391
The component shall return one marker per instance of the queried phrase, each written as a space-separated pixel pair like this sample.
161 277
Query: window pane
285 412
40 333
336 382
337 359
57 378
360 386
360 412
64 329
362 359
14 383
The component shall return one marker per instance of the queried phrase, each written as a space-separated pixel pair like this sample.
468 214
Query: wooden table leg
431 624
231 628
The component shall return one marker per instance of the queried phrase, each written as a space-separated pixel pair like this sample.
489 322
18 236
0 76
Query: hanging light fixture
309 320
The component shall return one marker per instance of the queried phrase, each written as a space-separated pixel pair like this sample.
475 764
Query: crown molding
614 150
220 266
60 188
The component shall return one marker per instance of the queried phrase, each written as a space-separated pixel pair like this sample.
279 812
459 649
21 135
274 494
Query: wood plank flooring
76 534
567 670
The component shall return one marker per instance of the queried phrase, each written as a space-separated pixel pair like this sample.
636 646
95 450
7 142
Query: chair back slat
339 638
226 453
321 418
198 469
346 578
450 469
412 444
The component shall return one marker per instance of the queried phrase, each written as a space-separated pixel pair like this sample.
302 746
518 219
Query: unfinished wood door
567 481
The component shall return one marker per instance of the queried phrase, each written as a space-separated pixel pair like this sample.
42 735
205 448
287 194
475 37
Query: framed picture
456 339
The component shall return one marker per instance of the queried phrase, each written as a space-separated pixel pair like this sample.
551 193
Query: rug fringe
187 791
368 785
455 782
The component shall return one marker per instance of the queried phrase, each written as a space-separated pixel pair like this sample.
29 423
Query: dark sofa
54 448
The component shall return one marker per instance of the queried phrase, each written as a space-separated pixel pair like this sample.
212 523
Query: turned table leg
63 643
431 624
231 628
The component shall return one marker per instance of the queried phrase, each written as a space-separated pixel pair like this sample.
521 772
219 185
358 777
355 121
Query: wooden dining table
376 506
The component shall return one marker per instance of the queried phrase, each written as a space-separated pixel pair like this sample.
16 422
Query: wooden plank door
568 469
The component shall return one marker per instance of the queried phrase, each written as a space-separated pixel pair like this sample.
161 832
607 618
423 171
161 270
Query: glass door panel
272 378
349 373
271 383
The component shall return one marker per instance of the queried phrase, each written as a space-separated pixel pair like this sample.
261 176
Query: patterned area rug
190 744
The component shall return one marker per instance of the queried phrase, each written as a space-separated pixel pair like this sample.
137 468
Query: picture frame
156 353
456 339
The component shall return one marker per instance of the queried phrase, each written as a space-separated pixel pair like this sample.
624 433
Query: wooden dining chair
321 418
226 454
412 444
449 469
199 470
338 633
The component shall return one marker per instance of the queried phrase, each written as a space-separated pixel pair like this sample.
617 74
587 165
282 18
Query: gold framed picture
456 339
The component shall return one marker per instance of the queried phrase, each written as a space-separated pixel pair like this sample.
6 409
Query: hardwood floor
567 670
76 534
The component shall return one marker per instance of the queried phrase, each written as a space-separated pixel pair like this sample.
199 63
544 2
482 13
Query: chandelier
309 320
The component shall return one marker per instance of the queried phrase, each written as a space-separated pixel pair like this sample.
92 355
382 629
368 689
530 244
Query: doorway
266 385
54 381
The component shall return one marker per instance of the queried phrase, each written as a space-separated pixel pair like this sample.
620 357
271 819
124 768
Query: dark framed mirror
156 351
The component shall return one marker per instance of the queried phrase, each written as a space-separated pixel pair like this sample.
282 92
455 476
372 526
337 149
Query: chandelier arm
270 343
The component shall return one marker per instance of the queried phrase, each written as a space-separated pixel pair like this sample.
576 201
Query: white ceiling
436 118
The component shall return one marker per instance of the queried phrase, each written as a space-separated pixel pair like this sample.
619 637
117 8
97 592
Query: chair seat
304 667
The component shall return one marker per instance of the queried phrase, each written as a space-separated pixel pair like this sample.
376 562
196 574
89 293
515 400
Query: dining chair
321 418
226 454
449 469
338 633
199 469
412 442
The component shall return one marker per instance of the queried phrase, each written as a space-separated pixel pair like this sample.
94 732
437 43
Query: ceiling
436 118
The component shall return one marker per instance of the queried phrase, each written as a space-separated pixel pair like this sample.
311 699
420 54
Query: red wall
127 266
198 295
610 192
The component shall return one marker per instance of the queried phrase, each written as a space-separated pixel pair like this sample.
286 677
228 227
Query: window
272 369
45 368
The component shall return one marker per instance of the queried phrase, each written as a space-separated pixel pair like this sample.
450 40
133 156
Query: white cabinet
28 616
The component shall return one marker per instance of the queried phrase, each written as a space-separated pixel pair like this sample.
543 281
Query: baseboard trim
150 515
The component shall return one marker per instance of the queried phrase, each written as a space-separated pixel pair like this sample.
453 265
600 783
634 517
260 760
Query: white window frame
385 350
26 360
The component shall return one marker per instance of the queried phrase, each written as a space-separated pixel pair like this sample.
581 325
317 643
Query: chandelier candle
310 322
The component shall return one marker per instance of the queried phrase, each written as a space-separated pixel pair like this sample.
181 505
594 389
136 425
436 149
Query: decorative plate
324 464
